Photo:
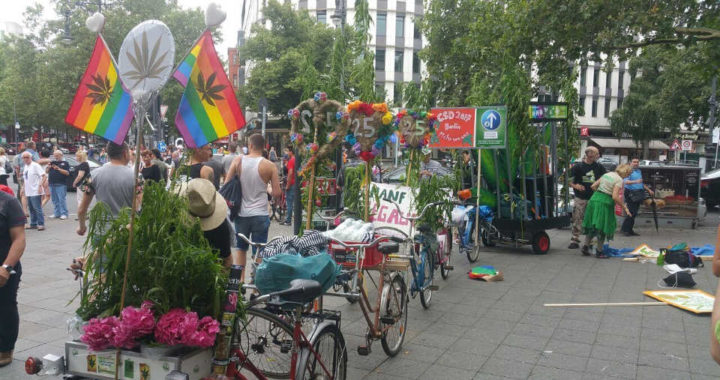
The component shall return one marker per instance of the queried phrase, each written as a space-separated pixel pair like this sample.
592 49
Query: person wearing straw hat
205 203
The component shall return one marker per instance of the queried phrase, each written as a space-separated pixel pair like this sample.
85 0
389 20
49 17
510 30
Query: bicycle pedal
388 320
363 350
434 287
449 267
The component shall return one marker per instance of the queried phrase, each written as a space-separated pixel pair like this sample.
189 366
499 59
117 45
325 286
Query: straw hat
204 202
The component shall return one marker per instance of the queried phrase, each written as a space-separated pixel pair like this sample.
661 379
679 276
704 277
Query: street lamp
67 38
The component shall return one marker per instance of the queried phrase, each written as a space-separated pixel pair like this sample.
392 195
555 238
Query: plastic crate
347 257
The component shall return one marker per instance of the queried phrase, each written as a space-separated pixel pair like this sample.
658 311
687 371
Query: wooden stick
605 304
367 191
311 195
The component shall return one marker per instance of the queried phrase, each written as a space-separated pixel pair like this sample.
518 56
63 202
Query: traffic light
166 129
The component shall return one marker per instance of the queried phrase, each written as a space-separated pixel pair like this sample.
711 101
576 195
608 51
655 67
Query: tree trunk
646 149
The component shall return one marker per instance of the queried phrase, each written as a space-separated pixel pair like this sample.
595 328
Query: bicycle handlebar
366 245
419 216
259 245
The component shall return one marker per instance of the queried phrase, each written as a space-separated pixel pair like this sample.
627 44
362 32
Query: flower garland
408 138
175 327
383 134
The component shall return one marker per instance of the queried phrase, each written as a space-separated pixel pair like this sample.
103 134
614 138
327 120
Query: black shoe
601 255
573 245
585 250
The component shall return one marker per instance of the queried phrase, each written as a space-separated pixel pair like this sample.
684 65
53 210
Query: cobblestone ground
473 330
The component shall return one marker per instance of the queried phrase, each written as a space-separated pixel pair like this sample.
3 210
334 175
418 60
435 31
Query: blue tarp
705 250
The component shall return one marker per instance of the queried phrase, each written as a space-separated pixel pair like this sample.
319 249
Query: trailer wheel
540 243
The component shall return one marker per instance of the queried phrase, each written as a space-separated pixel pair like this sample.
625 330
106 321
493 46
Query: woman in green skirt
599 218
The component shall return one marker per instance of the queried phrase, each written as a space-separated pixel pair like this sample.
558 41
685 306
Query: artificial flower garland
419 143
384 133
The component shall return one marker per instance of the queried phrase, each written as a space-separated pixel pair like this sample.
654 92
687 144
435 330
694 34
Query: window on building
322 17
381 24
417 34
380 89
399 26
399 60
594 108
416 63
380 59
581 101
397 94
620 102
596 77
583 75
621 77
607 107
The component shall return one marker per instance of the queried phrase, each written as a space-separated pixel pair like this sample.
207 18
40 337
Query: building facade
395 38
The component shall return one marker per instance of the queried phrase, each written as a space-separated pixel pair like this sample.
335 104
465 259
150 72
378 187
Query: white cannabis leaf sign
146 57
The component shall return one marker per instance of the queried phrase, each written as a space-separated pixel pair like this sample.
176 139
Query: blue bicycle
422 255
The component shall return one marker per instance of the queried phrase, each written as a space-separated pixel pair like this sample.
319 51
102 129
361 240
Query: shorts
254 228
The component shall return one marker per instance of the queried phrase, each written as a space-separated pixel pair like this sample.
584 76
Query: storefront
620 150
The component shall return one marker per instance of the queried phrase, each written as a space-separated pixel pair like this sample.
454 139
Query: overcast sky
13 10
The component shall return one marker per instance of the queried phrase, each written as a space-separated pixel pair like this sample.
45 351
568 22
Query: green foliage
353 193
670 87
171 262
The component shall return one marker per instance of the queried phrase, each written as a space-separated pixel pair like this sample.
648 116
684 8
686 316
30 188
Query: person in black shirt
583 175
150 172
12 246
58 171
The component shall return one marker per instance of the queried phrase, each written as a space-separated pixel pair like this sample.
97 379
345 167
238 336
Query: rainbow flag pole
101 106
209 109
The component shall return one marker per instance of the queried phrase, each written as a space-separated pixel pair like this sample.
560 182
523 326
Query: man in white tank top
255 173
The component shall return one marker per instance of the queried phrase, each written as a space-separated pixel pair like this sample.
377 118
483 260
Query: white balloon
146 58
214 15
95 22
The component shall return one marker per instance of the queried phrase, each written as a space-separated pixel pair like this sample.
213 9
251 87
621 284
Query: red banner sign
455 128
584 131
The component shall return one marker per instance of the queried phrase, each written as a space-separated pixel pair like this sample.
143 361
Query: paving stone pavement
473 330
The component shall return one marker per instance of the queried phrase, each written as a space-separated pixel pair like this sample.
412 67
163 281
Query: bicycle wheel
329 344
444 256
428 278
394 306
266 340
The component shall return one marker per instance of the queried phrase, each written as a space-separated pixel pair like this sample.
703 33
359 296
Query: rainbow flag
208 109
101 105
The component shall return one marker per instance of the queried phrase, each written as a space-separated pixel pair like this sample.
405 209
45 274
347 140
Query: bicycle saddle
301 291
425 229
388 247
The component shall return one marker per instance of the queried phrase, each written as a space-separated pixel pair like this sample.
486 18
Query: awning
609 142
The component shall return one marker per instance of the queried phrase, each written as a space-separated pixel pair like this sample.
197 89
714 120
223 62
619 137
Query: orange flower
354 105
380 107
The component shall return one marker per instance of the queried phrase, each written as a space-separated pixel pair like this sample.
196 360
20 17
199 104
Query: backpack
276 272
232 192
682 258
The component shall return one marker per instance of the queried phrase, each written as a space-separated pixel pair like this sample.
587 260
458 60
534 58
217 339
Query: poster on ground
455 128
697 301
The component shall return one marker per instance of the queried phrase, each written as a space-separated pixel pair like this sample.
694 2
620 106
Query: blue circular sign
490 120
161 146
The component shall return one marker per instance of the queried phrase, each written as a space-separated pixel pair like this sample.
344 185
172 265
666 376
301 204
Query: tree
668 90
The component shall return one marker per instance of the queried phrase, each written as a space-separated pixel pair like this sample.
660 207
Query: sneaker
573 245
63 217
41 228
585 250
601 255
52 216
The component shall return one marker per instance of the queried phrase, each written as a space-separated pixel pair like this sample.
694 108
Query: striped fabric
310 244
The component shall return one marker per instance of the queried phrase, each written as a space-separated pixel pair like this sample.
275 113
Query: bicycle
387 320
425 255
276 345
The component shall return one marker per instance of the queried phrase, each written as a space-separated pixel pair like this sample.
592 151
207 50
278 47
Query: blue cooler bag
276 272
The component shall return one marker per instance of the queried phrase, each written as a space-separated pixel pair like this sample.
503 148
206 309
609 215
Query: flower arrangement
415 128
369 144
175 327
314 125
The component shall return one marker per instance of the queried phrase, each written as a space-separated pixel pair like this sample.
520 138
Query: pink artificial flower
168 329
208 328
140 321
99 333
147 304
188 326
